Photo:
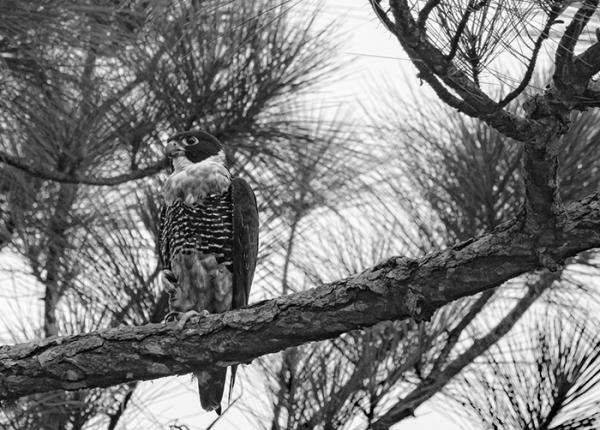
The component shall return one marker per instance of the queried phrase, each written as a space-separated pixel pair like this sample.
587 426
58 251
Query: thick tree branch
540 168
439 71
398 288
566 46
572 74
587 64
425 72
455 88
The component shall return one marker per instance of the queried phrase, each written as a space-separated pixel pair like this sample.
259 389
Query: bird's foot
184 318
171 316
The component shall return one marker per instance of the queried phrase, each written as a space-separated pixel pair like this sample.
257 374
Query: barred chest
205 227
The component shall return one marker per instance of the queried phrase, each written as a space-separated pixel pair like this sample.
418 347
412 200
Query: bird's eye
192 140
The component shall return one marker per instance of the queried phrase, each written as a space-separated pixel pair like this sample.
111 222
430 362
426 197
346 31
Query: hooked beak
174 149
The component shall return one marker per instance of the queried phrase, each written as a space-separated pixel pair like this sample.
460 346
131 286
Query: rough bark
397 288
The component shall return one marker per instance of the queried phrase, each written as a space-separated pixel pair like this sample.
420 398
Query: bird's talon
189 314
171 316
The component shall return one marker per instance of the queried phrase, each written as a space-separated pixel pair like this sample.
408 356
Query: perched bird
208 238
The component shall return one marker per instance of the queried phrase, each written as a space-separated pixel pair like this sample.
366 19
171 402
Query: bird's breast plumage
194 182
196 237
204 226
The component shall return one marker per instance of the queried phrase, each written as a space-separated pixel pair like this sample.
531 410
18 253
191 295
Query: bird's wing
245 240
245 247
163 245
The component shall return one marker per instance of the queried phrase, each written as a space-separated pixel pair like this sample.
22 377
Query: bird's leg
168 281
185 316
171 316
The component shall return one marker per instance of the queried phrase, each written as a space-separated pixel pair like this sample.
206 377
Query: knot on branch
549 261
417 306
550 111
401 268
546 255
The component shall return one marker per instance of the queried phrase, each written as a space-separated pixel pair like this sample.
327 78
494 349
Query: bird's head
194 145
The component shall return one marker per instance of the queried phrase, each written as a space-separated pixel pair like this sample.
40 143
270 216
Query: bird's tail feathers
211 385
231 383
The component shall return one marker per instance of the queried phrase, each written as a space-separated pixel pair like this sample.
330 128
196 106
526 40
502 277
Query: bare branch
397 288
76 179
554 12
424 13
435 381
434 67
454 334
543 376
471 7
382 15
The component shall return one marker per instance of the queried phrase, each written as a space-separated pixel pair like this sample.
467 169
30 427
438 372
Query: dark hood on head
207 146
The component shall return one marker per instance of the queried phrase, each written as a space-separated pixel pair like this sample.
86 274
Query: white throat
192 182
180 162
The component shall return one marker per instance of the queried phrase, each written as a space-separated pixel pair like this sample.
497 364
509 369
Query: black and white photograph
299 214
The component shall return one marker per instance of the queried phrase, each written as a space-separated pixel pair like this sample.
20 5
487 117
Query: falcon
208 239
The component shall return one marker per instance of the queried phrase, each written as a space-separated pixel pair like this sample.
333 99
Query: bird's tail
211 384
232 374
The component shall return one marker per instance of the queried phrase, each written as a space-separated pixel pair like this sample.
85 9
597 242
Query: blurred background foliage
87 92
